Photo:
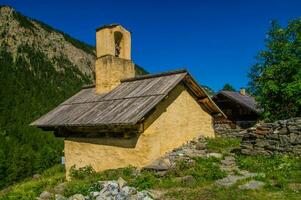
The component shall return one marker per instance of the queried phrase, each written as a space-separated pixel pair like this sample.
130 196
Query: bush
81 172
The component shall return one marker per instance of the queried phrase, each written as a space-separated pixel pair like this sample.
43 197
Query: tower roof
109 26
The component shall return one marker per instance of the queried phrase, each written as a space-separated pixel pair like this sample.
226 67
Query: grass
280 172
31 188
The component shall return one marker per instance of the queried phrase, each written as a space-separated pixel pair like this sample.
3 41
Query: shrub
81 172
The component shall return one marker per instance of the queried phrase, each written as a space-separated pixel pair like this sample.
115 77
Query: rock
60 197
228 181
77 197
94 194
284 140
216 155
188 180
59 189
36 176
200 146
252 185
45 196
294 128
295 138
155 194
297 150
262 130
121 182
261 142
159 165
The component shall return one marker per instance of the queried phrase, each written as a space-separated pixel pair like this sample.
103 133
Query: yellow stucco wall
176 120
110 70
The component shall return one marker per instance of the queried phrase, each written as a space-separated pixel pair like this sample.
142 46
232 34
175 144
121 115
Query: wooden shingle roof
245 100
127 104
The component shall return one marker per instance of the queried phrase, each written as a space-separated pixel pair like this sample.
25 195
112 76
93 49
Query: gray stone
121 182
261 142
59 189
294 128
60 197
77 197
284 140
45 196
36 176
282 131
159 165
228 181
200 146
296 150
252 185
216 155
247 151
94 194
295 138
273 135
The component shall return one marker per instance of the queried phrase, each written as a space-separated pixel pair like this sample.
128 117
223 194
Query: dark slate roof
127 104
246 100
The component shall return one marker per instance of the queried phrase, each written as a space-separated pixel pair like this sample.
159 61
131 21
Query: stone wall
282 136
226 130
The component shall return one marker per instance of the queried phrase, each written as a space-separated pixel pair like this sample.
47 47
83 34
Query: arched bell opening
118 39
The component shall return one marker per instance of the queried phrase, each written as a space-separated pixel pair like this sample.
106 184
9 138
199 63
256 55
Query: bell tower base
110 70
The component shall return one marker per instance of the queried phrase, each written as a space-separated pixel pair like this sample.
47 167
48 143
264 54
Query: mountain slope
17 30
39 68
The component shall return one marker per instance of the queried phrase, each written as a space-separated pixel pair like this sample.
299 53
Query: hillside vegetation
39 68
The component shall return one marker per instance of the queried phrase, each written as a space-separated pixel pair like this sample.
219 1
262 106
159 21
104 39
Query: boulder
60 197
216 155
159 165
77 197
45 196
59 189
121 182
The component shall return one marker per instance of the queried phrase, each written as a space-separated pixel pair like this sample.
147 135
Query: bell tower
113 62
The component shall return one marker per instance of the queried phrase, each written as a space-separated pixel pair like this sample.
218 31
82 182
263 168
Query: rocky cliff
17 30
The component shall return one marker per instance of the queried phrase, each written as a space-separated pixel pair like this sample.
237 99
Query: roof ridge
167 73
237 92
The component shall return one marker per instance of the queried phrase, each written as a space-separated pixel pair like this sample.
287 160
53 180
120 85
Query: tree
275 79
228 87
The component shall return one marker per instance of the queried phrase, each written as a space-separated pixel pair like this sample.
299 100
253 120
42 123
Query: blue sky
217 41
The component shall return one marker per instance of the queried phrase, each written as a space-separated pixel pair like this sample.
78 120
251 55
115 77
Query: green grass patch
31 188
222 145
279 170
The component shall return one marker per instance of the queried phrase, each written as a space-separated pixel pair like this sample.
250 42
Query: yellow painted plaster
175 121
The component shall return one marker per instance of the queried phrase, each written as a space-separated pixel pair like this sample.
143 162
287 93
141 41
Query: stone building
239 107
126 119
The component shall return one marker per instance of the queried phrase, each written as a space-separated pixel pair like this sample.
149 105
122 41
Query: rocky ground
108 190
197 148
